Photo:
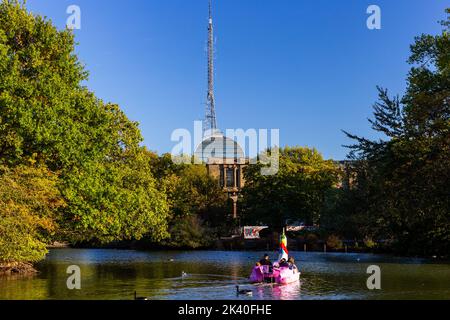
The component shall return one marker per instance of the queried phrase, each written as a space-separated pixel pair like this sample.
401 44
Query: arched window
230 177
238 177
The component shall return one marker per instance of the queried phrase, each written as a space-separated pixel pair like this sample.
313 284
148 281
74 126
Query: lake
116 274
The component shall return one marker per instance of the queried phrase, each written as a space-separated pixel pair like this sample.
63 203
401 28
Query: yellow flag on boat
283 247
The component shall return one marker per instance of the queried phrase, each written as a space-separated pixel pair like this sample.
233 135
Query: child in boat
283 263
291 263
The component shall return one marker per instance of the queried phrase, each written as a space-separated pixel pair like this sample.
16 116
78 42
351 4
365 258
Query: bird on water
243 291
139 298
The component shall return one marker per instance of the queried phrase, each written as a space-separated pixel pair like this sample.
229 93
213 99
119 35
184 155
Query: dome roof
218 146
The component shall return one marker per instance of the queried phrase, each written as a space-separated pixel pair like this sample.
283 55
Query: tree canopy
401 190
29 199
198 207
296 192
49 117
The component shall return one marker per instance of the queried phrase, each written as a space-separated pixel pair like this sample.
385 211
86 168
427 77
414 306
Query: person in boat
283 263
265 261
291 262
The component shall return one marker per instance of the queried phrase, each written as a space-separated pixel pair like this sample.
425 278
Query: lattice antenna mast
210 119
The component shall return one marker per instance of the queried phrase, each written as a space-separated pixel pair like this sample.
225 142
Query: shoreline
17 269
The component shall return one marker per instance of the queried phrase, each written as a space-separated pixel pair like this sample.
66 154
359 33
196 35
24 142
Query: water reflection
290 291
116 274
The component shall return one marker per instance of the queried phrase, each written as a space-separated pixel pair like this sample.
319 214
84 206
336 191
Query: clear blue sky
307 67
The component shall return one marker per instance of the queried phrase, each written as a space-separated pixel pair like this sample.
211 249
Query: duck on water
243 291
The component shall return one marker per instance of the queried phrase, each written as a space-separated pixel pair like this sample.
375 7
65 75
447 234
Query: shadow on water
197 275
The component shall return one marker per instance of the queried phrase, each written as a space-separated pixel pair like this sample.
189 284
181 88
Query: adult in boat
265 260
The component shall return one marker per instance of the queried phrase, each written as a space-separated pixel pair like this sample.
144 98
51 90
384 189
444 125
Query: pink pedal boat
275 273
279 275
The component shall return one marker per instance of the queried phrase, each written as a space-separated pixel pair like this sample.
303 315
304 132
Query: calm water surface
116 274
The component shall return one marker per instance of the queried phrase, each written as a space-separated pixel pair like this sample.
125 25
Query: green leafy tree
189 232
198 206
297 192
403 180
46 114
117 200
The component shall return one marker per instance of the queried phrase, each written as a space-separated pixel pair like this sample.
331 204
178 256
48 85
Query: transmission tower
210 122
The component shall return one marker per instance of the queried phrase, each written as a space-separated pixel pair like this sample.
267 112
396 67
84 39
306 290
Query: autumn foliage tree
29 202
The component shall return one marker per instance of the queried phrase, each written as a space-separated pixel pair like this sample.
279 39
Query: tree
189 232
296 192
29 200
197 204
46 114
404 178
115 200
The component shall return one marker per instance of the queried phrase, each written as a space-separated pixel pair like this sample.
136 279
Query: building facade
225 161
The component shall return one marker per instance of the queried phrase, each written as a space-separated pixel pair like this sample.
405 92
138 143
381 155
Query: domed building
217 146
225 160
